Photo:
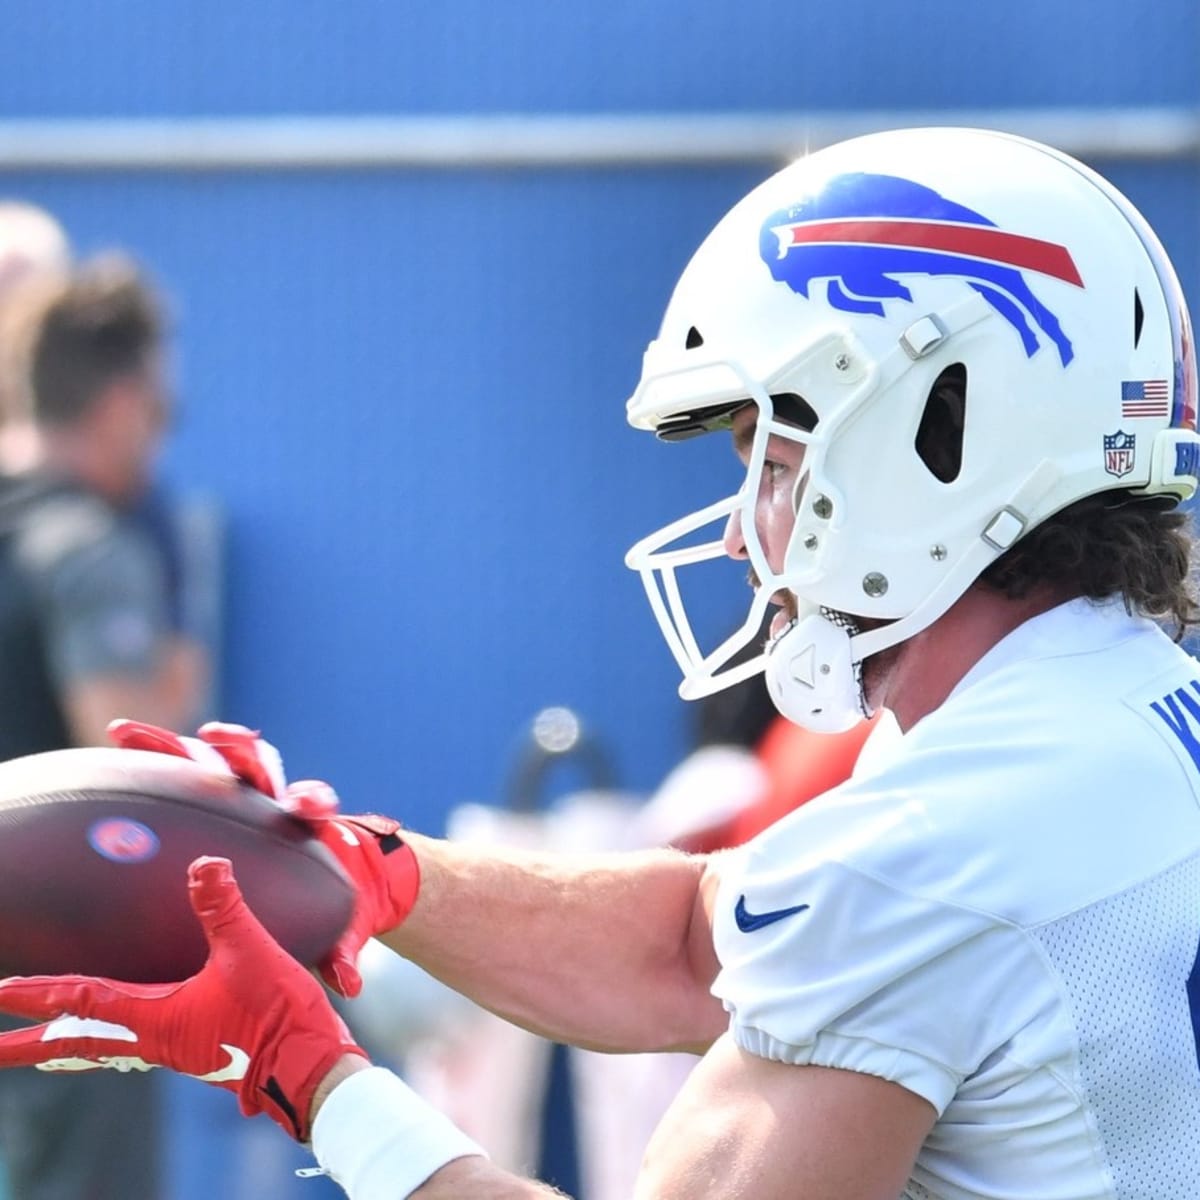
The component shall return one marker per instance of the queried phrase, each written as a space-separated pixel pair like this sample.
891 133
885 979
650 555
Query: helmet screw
842 362
810 541
823 507
874 584
937 552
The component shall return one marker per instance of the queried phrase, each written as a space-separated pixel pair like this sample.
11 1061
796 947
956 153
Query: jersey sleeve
106 609
824 964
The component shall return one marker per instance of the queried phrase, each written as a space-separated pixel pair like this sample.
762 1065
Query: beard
876 670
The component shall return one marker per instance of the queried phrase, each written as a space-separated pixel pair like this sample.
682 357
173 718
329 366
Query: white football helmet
848 288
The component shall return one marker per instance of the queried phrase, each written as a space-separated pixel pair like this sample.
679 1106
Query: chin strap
812 676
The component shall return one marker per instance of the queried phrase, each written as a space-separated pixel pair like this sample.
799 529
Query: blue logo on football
123 840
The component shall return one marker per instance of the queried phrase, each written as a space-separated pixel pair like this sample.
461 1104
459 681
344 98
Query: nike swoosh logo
748 922
235 1069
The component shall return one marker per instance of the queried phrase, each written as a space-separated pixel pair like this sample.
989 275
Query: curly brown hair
1110 544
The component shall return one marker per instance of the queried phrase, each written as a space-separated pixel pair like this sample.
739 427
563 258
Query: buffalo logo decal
862 232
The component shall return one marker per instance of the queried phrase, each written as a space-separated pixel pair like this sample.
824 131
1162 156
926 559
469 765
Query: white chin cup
812 677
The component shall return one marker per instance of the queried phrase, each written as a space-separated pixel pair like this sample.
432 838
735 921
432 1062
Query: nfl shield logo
1118 453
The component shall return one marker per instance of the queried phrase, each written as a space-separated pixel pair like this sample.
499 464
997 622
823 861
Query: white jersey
1003 916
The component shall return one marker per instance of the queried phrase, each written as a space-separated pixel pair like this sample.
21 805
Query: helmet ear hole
939 440
1139 315
693 339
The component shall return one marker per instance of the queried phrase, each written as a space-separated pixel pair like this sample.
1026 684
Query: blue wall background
405 387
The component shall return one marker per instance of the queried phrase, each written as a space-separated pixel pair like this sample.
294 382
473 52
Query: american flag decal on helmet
1145 398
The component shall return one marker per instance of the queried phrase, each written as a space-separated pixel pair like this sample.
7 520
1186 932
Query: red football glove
380 864
253 1021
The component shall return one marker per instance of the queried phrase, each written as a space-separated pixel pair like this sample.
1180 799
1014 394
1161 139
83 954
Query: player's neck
916 677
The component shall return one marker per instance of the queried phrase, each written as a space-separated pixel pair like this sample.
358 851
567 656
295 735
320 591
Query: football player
958 373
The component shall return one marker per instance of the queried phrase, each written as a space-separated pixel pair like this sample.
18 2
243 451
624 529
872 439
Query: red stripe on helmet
1011 249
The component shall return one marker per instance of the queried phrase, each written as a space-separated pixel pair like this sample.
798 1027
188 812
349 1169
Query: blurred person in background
34 250
86 632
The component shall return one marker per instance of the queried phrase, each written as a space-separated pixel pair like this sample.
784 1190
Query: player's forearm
608 951
482 1180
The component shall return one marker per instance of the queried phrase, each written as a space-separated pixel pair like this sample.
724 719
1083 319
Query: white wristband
376 1137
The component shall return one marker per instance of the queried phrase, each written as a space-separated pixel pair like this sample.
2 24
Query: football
94 850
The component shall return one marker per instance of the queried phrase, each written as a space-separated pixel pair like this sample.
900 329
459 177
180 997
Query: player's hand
253 1020
381 865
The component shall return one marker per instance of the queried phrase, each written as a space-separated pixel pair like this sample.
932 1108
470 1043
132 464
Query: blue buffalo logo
861 233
